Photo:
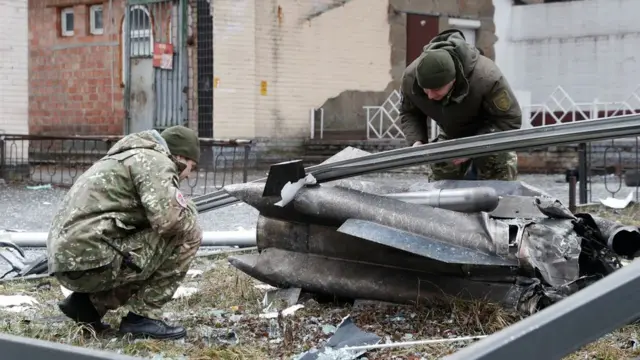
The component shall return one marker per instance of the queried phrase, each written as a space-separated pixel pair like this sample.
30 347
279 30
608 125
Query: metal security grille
204 75
155 63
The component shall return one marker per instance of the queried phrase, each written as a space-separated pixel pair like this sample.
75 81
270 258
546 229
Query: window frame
92 19
470 25
63 21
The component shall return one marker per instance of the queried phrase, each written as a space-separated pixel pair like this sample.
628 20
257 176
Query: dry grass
628 216
229 302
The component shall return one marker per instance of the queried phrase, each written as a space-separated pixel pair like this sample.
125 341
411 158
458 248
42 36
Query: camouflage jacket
481 100
134 187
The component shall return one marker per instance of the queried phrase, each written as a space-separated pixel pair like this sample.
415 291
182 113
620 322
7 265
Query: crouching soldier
466 95
125 234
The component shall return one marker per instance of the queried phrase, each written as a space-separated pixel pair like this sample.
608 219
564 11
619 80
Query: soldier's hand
459 161
417 143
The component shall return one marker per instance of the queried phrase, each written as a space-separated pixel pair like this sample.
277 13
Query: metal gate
155 66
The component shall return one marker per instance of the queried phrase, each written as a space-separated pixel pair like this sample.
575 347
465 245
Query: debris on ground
286 312
16 303
614 203
40 187
346 335
184 292
290 296
223 320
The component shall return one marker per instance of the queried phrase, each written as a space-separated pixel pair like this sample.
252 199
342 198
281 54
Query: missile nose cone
486 198
248 264
251 193
243 262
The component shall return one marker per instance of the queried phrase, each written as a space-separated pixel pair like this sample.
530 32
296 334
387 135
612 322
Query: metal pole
411 343
582 173
19 348
247 149
209 238
514 140
2 160
567 325
126 64
572 194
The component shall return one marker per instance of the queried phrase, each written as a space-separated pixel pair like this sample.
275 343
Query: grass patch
628 216
223 323
227 309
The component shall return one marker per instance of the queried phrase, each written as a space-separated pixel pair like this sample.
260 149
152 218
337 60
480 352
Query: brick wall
305 52
75 81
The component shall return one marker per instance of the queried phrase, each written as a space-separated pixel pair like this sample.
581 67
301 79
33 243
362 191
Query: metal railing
59 160
606 165
383 121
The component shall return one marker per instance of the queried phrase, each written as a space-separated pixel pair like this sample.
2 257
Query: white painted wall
591 48
14 79
14 76
302 62
235 90
502 20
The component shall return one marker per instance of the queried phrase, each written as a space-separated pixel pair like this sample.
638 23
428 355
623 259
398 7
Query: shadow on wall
346 113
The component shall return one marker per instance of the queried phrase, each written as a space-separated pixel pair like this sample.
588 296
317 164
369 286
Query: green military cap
182 141
435 69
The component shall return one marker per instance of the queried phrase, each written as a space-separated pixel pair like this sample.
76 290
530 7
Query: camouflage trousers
164 264
501 166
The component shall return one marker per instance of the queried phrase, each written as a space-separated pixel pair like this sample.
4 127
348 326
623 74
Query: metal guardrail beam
20 348
583 131
567 325
514 140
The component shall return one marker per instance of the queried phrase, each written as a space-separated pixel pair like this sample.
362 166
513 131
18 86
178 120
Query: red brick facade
75 82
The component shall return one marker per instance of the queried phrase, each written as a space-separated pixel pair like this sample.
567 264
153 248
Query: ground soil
223 320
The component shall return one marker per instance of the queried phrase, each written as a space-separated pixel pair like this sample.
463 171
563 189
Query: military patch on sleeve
502 100
180 199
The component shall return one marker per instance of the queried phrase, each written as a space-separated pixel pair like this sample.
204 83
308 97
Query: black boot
145 327
79 308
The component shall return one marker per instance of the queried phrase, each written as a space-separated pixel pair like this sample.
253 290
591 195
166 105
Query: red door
420 30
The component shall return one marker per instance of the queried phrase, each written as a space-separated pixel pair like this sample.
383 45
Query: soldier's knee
86 281
194 238
499 172
444 171
189 246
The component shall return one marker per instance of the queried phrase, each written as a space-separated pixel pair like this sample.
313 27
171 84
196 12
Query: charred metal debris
503 241
20 265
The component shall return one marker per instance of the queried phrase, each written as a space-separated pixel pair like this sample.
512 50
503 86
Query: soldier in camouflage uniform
125 234
466 95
